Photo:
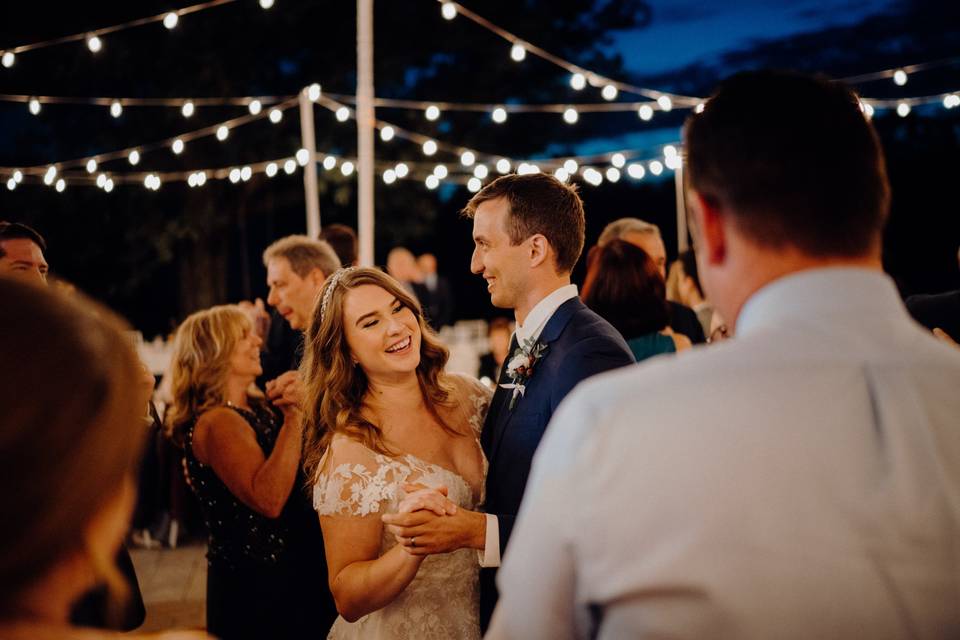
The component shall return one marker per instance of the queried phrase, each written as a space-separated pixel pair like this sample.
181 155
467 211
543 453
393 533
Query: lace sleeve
355 481
476 397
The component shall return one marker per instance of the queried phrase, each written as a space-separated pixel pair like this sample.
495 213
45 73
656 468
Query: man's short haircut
793 160
539 204
622 226
343 240
20 231
304 255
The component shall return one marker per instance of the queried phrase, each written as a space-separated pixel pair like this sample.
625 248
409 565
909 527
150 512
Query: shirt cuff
490 556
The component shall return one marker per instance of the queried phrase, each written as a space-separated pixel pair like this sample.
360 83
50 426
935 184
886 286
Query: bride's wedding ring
413 541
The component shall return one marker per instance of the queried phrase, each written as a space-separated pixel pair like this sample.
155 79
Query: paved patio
174 586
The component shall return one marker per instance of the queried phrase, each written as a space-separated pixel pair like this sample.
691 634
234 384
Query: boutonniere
520 367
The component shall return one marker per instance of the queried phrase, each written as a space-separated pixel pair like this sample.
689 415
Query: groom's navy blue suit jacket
580 344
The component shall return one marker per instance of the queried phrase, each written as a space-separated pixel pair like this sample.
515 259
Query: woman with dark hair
624 286
241 458
382 419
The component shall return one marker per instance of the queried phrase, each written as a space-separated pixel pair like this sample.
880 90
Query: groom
528 233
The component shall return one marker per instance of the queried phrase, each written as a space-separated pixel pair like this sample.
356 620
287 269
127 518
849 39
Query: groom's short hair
539 203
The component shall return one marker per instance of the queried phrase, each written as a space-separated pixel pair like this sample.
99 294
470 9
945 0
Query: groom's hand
423 533
423 497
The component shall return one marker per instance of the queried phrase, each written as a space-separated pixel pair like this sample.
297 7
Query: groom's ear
539 248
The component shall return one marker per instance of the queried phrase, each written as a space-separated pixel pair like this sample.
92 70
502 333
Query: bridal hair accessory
334 281
520 367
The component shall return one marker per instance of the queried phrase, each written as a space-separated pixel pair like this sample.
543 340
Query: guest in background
688 291
69 464
439 293
21 252
242 458
343 239
624 287
498 335
939 312
647 237
402 265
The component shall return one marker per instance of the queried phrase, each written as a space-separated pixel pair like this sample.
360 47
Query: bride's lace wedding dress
442 600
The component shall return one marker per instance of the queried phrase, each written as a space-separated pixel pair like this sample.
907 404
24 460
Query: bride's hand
420 497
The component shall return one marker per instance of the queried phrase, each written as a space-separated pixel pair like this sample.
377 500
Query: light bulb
448 10
636 171
609 92
342 114
613 174
276 115
441 171
91 165
187 109
255 107
201 178
951 100
618 160
389 176
867 109
223 131
95 44
108 185
271 169
578 81
329 163
290 166
432 112
672 162
900 77
402 169
699 108
11 184
49 176
116 109
645 112
518 53
432 181
669 151
61 185
192 180
468 158
387 133
133 157
474 185
346 168
34 106
303 157
561 174
246 173
266 4
503 166
313 92
499 115
903 109
570 115
8 59
571 166
234 175
18 176
170 20
592 176
665 103
656 167
101 180
429 148
177 146
481 171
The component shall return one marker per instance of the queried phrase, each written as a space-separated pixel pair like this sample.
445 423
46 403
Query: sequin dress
266 577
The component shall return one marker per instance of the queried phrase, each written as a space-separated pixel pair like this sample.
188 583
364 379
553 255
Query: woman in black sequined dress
242 458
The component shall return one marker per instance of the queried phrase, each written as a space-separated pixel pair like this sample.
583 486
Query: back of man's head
19 231
343 239
794 160
623 226
304 255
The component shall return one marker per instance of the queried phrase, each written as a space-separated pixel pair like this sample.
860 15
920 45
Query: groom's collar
540 315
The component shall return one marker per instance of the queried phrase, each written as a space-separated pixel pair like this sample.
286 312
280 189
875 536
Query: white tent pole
309 142
365 131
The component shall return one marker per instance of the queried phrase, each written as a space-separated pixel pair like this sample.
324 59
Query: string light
289 167
618 160
517 52
468 158
481 171
266 4
133 157
61 185
903 109
49 176
101 180
592 176
561 174
900 77
448 10
402 169
116 109
303 157
234 175
346 168
429 148
571 166
329 163
527 168
91 165
187 109
699 108
656 167
950 101
152 182
669 151
387 133
672 162
432 112
666 104
246 173
255 107
11 184
271 169
34 106
636 171
609 92
578 81
170 20
503 166
499 115
432 182
570 115
8 59
223 131
389 176
313 92
645 112
108 185
474 185
95 44
18 176
177 146
613 174
343 114
276 115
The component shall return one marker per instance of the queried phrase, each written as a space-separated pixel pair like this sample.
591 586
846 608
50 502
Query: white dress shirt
799 481
531 328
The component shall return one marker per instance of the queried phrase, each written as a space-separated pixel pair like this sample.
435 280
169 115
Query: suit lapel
498 406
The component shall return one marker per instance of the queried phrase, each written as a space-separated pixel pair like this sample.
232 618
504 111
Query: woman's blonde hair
71 431
202 348
334 387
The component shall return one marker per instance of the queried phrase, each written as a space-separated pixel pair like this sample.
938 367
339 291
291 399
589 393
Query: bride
383 418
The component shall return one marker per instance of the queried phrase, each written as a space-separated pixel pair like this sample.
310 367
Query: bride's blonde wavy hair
201 361
334 388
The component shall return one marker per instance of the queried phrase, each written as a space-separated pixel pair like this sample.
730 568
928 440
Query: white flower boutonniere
520 367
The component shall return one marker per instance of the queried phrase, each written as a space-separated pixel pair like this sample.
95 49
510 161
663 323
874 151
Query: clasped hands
286 393
427 522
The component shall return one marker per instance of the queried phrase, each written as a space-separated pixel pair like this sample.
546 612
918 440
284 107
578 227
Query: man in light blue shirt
800 481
